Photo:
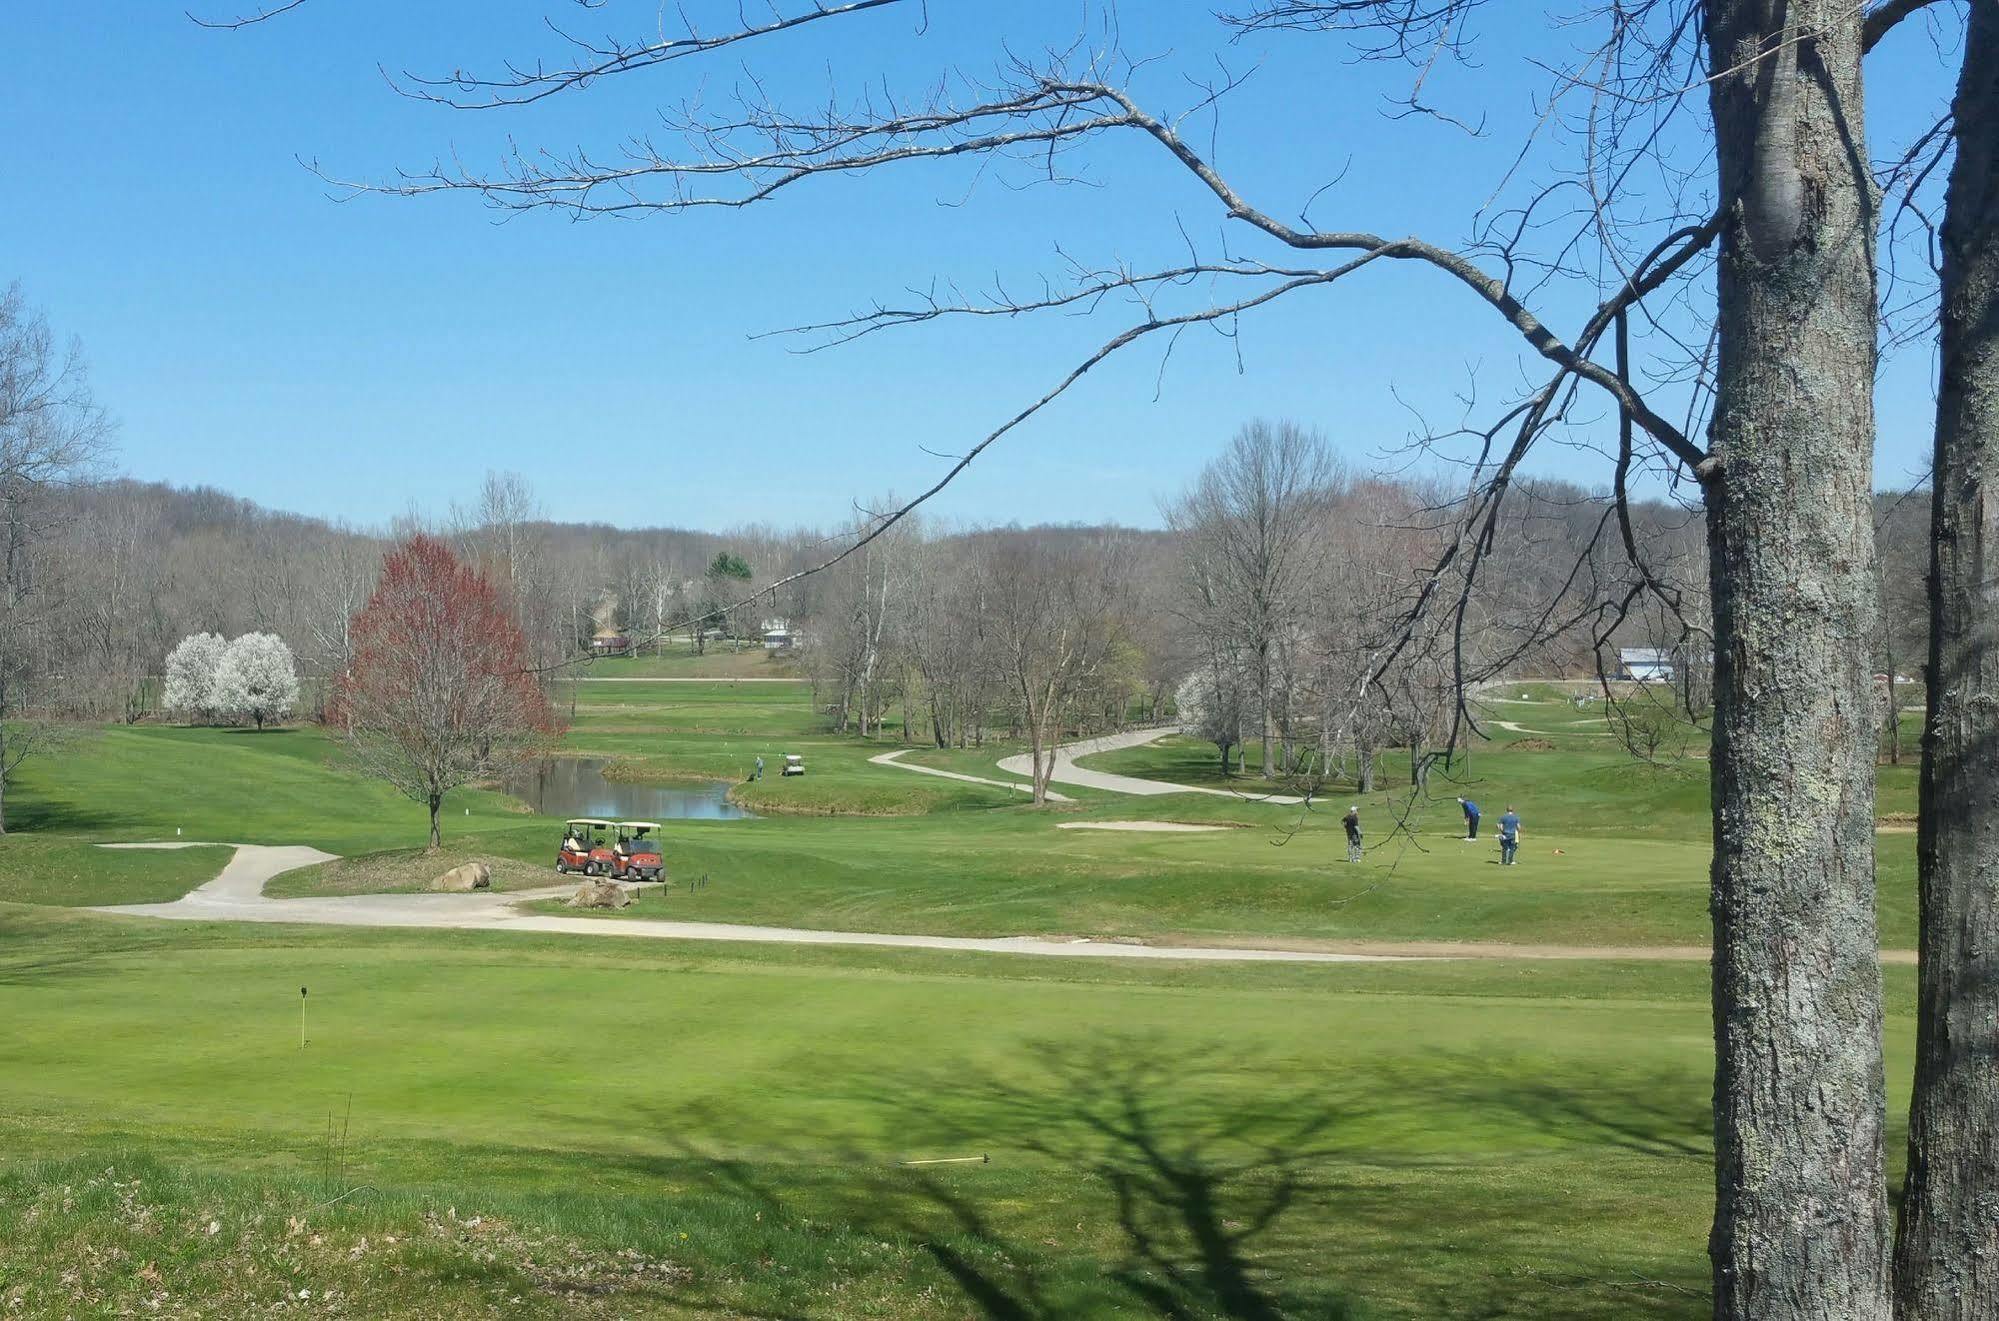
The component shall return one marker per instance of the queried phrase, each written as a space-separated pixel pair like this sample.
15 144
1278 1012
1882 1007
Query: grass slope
500 1124
1366 1141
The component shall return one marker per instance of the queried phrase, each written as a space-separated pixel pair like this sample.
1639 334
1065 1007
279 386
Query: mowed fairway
487 1123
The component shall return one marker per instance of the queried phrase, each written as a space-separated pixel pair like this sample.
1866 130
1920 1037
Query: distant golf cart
793 764
586 847
637 852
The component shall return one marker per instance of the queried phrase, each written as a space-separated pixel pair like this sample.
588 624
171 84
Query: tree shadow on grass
28 814
1183 1194
1123 1183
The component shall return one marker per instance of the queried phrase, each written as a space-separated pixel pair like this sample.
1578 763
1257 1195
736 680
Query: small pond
575 786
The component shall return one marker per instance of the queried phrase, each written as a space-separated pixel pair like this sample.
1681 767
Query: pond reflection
575 786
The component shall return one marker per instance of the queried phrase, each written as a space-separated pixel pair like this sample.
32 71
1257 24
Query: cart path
889 759
237 895
1068 772
1552 733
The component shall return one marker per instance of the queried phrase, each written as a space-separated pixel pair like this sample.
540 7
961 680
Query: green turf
71 870
1614 850
1388 1141
653 1128
679 659
280 787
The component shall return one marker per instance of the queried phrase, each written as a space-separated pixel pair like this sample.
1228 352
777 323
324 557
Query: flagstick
301 1018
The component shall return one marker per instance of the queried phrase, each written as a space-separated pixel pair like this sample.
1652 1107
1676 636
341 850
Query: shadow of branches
1133 1178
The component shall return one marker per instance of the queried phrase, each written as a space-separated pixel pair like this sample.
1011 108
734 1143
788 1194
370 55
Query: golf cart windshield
633 836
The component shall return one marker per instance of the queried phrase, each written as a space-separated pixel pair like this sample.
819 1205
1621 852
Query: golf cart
637 854
793 764
585 847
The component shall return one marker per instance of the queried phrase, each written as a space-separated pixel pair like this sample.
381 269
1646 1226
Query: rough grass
406 871
72 871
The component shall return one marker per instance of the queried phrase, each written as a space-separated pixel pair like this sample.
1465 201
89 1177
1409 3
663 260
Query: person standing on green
1352 823
760 768
1471 817
1509 836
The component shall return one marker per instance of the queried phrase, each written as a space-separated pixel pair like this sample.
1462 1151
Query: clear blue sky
353 360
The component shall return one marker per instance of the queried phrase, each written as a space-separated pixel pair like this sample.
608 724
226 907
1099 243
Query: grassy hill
513 1124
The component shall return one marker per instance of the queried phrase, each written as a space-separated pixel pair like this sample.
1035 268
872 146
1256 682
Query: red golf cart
637 853
585 847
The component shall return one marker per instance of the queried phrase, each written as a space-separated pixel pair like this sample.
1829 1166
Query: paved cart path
237 895
890 759
1068 772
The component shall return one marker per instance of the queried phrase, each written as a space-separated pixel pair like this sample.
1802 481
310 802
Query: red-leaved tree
440 691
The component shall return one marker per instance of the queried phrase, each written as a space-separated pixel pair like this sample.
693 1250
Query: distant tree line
1274 611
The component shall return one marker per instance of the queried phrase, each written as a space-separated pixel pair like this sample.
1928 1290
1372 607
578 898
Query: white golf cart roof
589 821
639 825
793 756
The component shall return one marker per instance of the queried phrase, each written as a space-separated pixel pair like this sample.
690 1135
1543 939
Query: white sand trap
1162 827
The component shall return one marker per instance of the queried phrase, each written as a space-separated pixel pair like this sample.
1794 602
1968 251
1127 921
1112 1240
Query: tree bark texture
1947 1255
1801 1220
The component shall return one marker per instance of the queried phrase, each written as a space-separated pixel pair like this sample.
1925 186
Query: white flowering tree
257 678
1216 702
192 669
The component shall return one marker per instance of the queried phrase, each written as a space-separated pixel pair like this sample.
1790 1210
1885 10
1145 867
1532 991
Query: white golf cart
793 764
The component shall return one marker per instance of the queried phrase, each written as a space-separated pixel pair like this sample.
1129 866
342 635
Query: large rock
600 894
468 876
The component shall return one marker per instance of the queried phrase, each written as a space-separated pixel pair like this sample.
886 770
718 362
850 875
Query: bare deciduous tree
1248 526
52 435
1948 1254
1057 615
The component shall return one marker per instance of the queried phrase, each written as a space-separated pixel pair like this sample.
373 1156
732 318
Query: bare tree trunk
1801 1220
1894 705
1263 700
1037 776
436 836
1947 1254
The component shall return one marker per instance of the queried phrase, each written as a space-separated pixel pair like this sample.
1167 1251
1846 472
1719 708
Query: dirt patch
1532 745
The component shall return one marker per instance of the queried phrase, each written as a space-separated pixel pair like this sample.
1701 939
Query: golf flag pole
301 1018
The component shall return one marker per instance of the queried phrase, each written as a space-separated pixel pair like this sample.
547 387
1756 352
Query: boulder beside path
466 876
600 894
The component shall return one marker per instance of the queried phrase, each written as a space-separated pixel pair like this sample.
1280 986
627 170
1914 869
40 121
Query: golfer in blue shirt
1471 817
1509 836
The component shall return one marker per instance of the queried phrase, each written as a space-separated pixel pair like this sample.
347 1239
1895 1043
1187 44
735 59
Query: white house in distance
1645 664
778 635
